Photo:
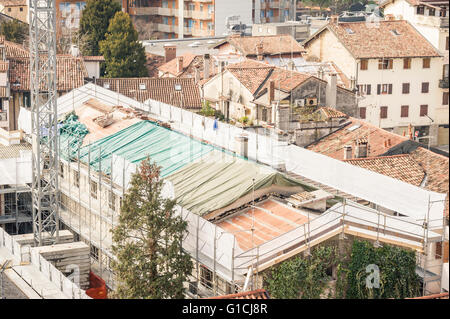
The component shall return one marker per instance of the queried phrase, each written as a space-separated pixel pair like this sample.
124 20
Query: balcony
167 11
144 11
443 84
168 28
201 15
187 31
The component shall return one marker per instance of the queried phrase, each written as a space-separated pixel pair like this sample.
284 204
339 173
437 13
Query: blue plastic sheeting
170 150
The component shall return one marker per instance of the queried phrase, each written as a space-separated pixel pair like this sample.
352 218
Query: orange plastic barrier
97 288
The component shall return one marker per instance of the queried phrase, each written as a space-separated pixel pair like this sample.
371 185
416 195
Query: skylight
354 127
395 32
349 31
177 87
142 86
106 85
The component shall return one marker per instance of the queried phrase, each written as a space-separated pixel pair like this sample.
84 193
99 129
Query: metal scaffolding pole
42 17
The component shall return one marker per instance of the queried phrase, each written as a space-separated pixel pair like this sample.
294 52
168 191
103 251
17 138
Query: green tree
94 24
14 31
124 54
147 241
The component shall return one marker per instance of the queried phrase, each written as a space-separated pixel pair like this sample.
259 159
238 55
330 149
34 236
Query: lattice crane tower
44 121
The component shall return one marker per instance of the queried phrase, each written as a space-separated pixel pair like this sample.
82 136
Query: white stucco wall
397 76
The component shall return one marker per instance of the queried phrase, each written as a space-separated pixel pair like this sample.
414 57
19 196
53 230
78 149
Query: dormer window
421 10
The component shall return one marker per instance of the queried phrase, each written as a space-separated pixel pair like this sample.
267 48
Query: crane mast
44 121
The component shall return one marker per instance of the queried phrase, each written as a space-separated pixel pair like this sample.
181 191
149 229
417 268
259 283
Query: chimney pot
361 150
260 51
334 19
347 152
206 64
271 91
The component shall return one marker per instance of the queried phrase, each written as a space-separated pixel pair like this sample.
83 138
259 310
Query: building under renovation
252 201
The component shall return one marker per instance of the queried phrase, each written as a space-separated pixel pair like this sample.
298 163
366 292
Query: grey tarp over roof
204 186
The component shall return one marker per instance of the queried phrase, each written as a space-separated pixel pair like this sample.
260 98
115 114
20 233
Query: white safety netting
379 189
17 170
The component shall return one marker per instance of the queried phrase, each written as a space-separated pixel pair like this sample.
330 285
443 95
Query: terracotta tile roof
13 50
14 150
272 45
437 169
251 74
443 295
255 294
366 41
159 89
332 113
171 66
11 3
379 140
153 62
286 80
271 219
401 167
71 73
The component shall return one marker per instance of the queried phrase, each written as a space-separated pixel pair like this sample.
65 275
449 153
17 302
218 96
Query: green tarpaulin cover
169 149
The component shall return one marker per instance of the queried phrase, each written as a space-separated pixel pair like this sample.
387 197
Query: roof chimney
170 52
347 152
334 19
197 73
361 149
410 134
271 91
260 51
332 91
179 64
206 63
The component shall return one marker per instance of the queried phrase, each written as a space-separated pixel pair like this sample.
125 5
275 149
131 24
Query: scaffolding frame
240 262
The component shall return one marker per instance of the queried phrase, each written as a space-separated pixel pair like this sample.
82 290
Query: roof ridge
377 157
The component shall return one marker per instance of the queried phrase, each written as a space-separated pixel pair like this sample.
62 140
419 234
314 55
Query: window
407 63
112 200
364 89
61 170
76 178
404 111
364 64
94 189
445 71
420 10
206 277
445 98
405 88
362 112
425 87
431 12
423 110
446 44
384 89
385 64
438 254
21 9
426 63
383 112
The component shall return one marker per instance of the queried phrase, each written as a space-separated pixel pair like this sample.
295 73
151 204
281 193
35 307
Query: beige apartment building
17 9
395 70
169 19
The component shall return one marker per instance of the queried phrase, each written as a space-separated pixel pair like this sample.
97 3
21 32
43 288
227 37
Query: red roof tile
402 167
364 40
272 45
158 89
71 73
251 74
171 66
379 140
13 49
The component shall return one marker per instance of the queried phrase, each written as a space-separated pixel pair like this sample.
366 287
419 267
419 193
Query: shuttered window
404 111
